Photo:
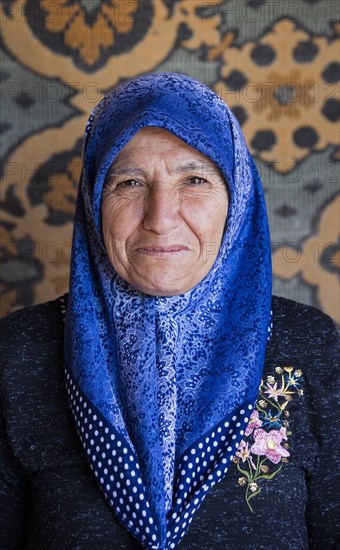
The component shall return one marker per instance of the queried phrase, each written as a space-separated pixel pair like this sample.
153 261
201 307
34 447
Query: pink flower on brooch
243 453
283 432
254 422
274 392
269 444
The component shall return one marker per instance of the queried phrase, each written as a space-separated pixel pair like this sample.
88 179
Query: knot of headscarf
162 388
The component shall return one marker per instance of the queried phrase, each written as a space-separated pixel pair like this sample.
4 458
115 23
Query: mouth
162 251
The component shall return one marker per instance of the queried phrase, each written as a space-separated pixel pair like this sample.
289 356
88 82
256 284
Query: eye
195 180
128 183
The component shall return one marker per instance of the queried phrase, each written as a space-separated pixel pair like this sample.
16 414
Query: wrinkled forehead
158 143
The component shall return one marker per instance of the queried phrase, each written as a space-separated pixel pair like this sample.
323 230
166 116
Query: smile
161 251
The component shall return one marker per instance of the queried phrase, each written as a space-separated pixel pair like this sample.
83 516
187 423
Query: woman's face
164 209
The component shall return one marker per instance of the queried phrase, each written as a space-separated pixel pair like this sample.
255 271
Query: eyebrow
125 170
202 167
131 170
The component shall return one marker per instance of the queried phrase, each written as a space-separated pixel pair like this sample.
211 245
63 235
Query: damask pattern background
276 64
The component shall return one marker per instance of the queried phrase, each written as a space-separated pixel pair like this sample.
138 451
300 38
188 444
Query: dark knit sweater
49 498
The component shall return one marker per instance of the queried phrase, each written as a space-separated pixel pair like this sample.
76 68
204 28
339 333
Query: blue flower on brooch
272 419
292 381
292 377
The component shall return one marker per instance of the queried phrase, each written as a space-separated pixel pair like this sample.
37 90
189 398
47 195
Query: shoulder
24 323
304 336
27 333
38 425
302 321
292 311
31 351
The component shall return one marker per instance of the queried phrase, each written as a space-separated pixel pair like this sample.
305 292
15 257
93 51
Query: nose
161 211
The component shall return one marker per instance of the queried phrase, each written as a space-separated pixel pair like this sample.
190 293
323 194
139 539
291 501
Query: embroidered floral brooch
264 449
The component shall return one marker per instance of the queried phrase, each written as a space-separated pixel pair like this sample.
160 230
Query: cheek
219 213
119 219
113 233
207 218
109 227
221 219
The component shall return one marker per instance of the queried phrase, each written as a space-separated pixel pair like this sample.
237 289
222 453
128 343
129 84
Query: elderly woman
179 404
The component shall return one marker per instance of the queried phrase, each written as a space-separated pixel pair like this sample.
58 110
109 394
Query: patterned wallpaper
275 63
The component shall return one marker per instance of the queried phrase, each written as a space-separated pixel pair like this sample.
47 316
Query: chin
164 289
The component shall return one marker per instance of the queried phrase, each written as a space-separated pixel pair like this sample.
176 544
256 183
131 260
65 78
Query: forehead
158 142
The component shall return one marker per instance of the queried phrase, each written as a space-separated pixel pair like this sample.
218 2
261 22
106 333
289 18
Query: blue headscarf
162 388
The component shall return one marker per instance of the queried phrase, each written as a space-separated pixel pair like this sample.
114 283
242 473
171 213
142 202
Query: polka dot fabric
115 465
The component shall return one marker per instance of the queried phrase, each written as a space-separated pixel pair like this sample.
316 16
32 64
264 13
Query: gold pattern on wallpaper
114 17
316 260
282 96
155 45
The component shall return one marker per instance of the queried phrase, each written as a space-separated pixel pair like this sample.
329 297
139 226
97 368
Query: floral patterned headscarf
162 388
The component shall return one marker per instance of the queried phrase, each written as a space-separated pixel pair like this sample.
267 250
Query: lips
162 251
